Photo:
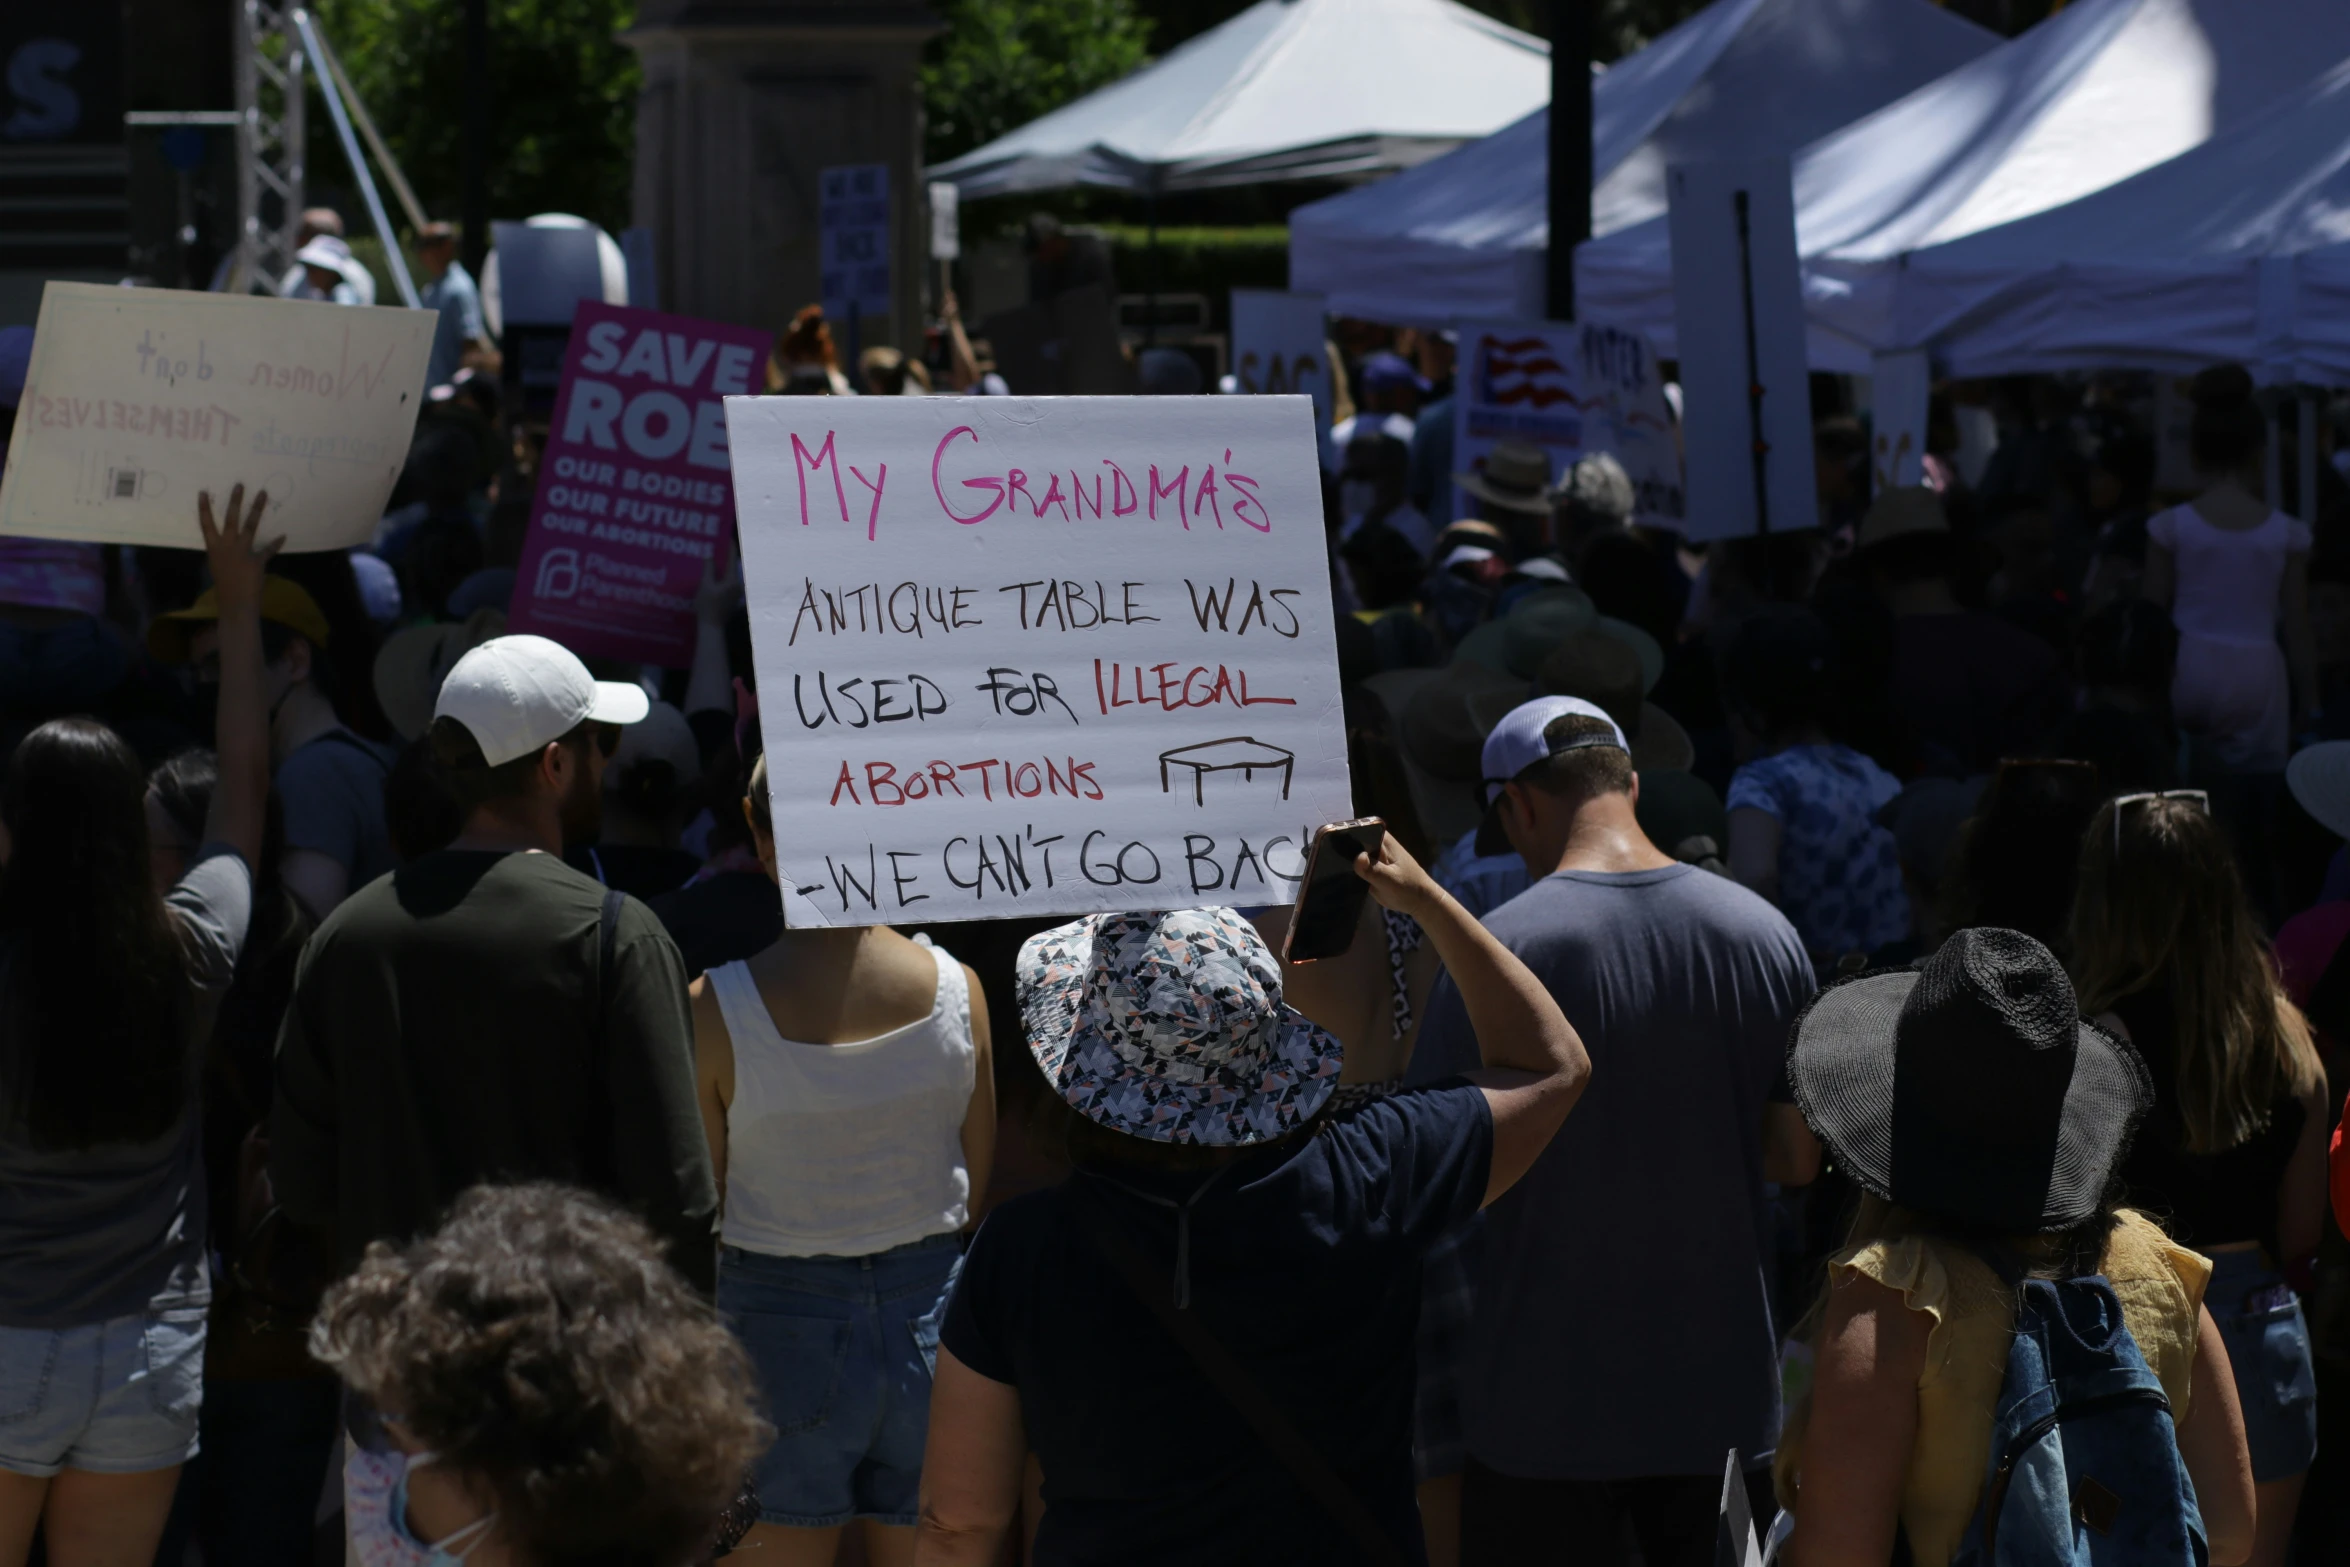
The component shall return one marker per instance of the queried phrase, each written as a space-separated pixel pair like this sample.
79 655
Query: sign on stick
139 398
1745 381
1573 390
1038 656
853 221
634 490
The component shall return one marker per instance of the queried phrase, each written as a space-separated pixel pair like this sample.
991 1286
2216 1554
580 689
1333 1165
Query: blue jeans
844 1348
2268 1350
114 1397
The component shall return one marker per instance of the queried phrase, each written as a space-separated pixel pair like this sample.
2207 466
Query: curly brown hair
538 1341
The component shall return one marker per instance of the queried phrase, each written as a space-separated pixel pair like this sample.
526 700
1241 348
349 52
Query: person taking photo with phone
1204 1333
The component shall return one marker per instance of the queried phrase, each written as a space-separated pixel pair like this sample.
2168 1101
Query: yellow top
2160 1286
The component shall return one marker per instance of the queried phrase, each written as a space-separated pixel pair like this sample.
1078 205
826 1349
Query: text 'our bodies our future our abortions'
635 491
1082 660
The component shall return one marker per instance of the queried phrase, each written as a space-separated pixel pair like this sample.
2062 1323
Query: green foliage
562 102
1001 63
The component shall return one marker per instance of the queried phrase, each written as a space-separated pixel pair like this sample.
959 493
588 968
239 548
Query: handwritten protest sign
634 491
1277 346
1038 656
139 398
1572 389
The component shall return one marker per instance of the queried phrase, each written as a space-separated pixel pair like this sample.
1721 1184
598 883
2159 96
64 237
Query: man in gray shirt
1623 1341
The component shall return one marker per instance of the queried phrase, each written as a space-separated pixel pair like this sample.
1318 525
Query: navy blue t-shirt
1305 1263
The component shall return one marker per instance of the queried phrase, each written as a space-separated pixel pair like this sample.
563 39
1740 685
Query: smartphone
1330 899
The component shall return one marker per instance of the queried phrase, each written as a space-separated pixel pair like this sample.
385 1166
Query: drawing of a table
1239 754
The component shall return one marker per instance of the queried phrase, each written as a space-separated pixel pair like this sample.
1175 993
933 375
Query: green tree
562 101
1001 63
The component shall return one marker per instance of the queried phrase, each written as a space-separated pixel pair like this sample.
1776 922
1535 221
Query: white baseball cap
1519 741
517 694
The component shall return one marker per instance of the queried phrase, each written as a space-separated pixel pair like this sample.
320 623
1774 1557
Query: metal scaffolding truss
270 68
277 49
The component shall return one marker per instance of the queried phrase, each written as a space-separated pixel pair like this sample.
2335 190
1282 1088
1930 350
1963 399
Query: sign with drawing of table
1038 656
138 398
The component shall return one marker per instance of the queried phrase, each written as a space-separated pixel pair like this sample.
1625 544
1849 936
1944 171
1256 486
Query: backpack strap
1152 1285
608 935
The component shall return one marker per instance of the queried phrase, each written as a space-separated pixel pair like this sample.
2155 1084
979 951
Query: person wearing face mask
512 1417
1371 491
329 778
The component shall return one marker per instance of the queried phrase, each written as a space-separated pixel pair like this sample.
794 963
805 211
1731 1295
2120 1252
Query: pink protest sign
635 491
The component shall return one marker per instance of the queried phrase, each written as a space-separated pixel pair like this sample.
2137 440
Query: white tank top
846 1150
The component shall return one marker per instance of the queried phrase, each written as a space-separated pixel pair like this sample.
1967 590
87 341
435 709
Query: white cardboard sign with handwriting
139 397
1023 656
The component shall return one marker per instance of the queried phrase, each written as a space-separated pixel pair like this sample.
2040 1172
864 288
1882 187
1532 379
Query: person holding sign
1194 1104
848 1092
107 993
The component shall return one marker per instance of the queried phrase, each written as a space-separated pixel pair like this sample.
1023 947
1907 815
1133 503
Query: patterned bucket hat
1171 1028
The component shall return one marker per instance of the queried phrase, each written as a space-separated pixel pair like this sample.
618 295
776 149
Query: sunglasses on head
2202 802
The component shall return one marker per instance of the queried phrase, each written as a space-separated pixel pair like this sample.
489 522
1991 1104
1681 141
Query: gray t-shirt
1622 1328
90 1234
333 792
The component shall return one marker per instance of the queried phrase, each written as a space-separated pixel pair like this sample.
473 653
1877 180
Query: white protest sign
139 398
1277 346
853 236
1901 391
1573 390
946 224
1038 656
1745 375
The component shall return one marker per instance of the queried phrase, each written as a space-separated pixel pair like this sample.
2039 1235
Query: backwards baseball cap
517 694
1522 740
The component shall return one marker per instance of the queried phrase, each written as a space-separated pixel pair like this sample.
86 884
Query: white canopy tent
2099 92
2196 260
1465 236
1288 89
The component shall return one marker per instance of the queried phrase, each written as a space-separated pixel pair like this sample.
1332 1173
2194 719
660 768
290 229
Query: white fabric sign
1026 656
1745 386
1573 390
139 398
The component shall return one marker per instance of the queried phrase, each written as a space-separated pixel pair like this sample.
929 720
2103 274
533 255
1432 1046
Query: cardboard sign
853 227
634 489
1745 380
1277 347
1038 656
946 221
139 398
1573 390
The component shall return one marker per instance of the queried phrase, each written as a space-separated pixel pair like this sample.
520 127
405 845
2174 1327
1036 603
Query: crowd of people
1796 973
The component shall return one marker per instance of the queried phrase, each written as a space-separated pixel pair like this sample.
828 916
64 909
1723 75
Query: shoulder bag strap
1153 1286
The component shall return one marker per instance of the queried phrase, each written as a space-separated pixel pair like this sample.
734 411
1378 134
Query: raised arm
1534 1064
240 801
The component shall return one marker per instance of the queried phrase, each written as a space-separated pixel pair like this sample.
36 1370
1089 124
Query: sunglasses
2201 800
607 738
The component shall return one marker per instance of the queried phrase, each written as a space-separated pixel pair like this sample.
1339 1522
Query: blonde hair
2163 899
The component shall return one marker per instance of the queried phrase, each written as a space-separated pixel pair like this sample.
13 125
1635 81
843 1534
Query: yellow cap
284 602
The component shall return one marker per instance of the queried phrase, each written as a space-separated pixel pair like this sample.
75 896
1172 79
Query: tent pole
1570 151
2305 400
1150 298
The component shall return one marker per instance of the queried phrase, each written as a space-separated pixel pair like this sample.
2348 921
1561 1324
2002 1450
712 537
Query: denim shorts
116 1397
2268 1349
843 1348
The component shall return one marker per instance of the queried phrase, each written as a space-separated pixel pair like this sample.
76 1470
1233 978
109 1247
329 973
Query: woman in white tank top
846 1089
2234 572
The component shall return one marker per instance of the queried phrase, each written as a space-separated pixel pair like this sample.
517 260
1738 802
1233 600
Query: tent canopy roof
1288 89
2101 91
1464 235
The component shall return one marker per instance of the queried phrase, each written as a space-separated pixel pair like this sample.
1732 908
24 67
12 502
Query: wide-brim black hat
1970 1087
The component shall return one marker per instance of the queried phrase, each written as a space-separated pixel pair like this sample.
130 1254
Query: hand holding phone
1330 898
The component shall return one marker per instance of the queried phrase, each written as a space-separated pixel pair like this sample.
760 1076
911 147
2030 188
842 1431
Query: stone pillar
744 103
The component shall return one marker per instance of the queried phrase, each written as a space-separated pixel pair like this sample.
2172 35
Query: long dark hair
93 988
